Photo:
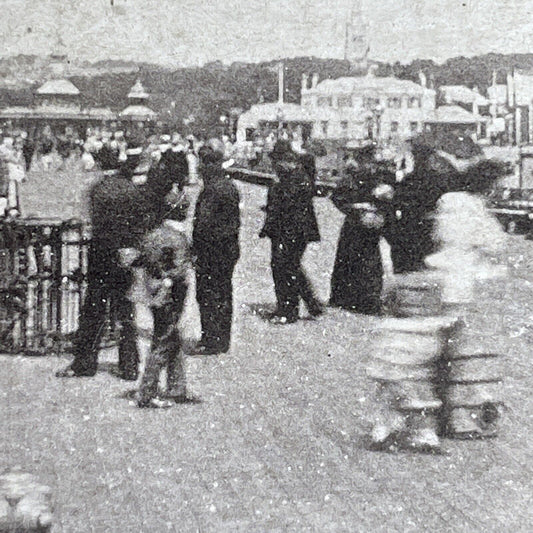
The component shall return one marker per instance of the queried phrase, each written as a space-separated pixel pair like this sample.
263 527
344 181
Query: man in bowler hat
216 248
291 224
117 224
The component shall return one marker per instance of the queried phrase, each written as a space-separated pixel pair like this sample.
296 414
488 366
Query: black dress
357 279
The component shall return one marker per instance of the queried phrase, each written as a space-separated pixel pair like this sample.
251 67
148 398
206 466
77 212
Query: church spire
356 46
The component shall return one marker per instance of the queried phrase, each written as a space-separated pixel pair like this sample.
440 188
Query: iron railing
43 269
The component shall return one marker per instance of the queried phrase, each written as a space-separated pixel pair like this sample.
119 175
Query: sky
192 32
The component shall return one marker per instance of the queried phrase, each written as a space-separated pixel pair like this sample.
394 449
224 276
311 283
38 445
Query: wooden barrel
473 395
415 294
406 359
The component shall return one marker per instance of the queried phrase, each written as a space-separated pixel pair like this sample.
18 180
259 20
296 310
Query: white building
470 99
356 108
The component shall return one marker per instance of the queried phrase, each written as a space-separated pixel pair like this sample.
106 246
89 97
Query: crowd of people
134 239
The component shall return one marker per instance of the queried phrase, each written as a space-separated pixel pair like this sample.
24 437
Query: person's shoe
315 309
129 376
155 403
425 441
281 320
69 372
202 349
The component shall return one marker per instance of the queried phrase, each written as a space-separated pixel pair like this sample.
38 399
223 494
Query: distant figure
46 147
28 149
216 248
192 161
291 224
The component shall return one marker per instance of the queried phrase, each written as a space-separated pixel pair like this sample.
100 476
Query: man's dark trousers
214 294
290 280
107 281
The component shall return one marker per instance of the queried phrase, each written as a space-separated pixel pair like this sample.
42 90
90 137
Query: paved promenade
277 442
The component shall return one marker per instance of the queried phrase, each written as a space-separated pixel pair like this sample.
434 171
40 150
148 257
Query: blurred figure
46 147
291 224
13 172
216 228
28 149
192 161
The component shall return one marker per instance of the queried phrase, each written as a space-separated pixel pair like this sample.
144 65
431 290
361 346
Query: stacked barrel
473 396
407 356
428 375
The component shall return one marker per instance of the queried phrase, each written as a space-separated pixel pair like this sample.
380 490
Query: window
394 127
394 103
344 126
370 103
344 101
324 126
413 126
414 101
324 101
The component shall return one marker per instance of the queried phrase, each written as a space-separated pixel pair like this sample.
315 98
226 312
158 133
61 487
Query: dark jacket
176 166
217 218
290 214
116 206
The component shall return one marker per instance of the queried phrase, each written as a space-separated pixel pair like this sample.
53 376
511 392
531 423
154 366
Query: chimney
314 81
510 89
423 79
304 82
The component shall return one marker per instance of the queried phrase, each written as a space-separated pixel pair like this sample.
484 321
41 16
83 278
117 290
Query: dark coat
410 235
122 212
175 165
118 212
356 281
217 218
290 214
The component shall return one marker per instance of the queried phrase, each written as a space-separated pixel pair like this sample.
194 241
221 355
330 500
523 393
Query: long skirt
357 279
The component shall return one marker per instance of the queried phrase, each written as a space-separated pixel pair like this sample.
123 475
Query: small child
165 257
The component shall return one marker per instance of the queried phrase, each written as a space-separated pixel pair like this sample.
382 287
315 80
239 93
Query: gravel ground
277 442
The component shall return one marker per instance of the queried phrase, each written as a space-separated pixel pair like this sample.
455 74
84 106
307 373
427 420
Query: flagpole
281 82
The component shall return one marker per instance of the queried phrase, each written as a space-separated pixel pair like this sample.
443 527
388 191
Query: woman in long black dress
363 195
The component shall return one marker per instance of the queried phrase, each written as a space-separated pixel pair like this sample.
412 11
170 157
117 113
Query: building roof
272 112
58 87
453 114
138 91
370 83
57 112
101 113
462 94
138 111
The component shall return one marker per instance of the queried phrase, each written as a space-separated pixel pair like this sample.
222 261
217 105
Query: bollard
25 504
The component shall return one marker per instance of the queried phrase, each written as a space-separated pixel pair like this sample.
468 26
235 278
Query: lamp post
377 112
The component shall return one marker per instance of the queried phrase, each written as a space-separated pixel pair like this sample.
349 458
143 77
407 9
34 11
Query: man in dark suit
291 224
118 223
216 248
